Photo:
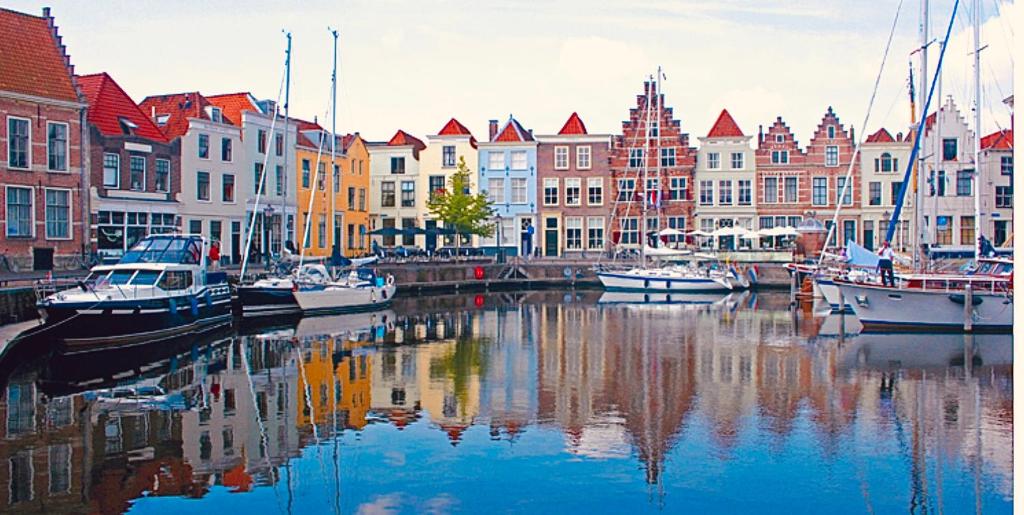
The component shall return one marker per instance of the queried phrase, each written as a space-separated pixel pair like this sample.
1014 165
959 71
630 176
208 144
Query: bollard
968 307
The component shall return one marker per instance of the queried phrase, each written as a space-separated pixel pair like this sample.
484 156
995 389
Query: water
540 402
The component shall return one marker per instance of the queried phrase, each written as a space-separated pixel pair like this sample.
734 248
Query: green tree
457 208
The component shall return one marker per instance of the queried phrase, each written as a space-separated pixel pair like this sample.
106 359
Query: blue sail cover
857 255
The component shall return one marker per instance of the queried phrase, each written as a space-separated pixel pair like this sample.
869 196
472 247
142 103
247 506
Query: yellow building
342 189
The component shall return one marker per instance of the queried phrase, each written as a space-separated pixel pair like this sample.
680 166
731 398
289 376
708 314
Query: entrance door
431 237
999 238
339 222
869 234
551 237
236 242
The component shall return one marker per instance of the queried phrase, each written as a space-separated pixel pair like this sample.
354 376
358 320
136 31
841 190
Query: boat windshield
146 278
119 276
165 249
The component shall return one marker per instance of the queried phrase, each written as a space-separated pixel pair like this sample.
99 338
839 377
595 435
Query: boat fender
861 300
373 295
193 304
647 283
172 306
958 298
384 295
208 298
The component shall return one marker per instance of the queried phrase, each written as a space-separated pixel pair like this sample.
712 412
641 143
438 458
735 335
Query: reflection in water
522 401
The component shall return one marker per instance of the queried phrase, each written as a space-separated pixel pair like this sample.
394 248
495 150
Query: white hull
345 298
830 292
695 299
342 324
879 307
655 280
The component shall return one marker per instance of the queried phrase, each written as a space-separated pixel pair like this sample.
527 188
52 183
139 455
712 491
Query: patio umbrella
387 231
670 232
439 231
698 232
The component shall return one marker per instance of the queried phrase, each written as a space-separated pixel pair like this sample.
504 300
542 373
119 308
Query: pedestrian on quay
214 256
885 264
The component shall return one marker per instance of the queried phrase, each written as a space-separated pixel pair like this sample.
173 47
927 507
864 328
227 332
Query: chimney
760 134
152 112
899 136
492 129
852 138
46 12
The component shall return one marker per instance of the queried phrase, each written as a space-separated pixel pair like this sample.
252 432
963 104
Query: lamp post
499 251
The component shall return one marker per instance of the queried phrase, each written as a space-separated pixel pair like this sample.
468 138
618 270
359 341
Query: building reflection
618 381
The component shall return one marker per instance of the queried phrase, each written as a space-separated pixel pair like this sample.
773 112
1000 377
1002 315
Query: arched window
887 163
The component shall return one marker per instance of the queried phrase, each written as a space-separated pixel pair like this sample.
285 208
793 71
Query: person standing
214 256
886 255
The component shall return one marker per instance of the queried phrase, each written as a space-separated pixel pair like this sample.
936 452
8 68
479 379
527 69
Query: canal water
528 402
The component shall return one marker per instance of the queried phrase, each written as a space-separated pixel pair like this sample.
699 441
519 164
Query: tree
458 209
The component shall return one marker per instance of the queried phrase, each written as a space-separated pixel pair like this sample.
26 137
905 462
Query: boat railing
46 287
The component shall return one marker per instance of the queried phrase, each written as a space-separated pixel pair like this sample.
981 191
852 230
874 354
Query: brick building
135 170
573 185
671 171
42 146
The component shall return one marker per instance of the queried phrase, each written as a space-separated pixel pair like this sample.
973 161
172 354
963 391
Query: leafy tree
458 209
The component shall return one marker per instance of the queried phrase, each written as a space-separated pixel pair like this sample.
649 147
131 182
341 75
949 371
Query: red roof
31 61
725 127
882 136
1001 140
513 131
573 126
454 128
179 107
233 104
404 138
109 104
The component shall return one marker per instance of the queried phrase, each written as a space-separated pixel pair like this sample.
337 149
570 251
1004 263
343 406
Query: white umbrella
670 232
698 232
780 231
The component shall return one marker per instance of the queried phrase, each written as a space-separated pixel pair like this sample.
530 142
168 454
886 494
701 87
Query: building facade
508 173
725 182
948 144
135 170
997 186
670 169
355 184
394 176
43 147
438 162
574 183
883 162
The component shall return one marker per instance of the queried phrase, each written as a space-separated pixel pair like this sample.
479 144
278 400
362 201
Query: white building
949 167
883 162
438 162
725 178
394 179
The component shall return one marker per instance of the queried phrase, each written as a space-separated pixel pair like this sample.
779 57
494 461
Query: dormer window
161 119
215 114
127 126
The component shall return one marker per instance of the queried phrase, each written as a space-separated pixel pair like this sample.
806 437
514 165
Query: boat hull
267 300
830 292
344 299
624 281
882 308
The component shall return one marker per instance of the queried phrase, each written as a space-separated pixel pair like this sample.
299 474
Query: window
832 155
714 161
279 180
204 146
819 191
874 194
964 183
279 144
57 146
707 193
436 185
496 160
1006 165
668 157
397 165
949 149
203 185
595 191
519 190
258 180
894 192
59 463
137 172
725 193
305 173
362 199
574 233
111 171
573 192
677 188
831 132
1004 197
58 214
163 175
746 195
939 184
387 194
321 231
408 193
215 114
652 130
779 138
847 195
595 233
19 212
885 163
448 156
321 176
636 157
336 180
789 189
561 158
227 188
19 145
550 191
967 230
944 230
351 197
771 190
630 231
496 190
261 141
225 149
583 157
627 189
519 160
737 160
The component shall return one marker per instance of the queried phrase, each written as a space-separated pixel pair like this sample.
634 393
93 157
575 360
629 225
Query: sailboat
978 299
671 278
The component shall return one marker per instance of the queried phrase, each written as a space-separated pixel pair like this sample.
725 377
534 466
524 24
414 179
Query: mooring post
968 307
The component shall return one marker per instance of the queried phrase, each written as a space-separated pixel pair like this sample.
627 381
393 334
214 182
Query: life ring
478 272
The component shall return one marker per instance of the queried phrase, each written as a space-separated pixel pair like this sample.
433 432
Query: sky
412 65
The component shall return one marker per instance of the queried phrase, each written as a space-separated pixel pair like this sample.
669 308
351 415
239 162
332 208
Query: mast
334 189
284 169
976 179
913 120
642 232
920 235
937 160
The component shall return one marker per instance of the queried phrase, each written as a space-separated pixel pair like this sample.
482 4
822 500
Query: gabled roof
109 105
179 107
1000 140
454 128
725 127
881 136
513 132
573 126
402 138
233 104
32 62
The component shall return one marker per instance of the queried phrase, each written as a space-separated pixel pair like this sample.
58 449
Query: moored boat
668 279
361 290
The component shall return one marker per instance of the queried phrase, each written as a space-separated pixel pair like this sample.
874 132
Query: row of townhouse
85 168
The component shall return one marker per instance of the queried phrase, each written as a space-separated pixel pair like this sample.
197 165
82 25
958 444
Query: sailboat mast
284 169
642 230
920 235
657 154
976 179
334 188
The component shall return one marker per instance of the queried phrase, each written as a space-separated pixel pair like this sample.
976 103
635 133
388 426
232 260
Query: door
849 232
236 242
431 236
999 238
869 234
551 237
42 258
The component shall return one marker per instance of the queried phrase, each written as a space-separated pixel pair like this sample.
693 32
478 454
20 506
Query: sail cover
857 255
